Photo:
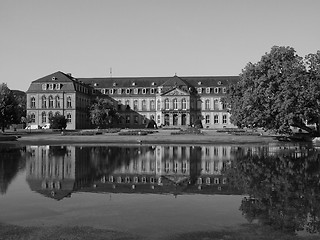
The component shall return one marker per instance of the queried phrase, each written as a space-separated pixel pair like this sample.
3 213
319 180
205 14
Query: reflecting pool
161 190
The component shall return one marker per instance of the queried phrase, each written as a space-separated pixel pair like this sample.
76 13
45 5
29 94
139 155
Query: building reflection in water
57 171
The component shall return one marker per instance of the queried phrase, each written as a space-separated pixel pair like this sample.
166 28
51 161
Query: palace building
169 101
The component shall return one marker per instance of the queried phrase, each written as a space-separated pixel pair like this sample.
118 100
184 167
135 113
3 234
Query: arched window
44 102
43 117
57 102
69 105
216 104
184 103
166 104
152 107
135 105
50 102
158 105
50 115
207 103
144 107
33 102
175 103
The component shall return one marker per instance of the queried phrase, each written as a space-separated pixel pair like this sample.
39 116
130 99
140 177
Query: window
158 105
58 86
175 103
128 91
111 91
216 104
184 103
135 105
152 90
135 91
224 119
216 119
51 86
119 90
127 103
207 90
166 104
144 90
159 89
33 102
207 104
199 90
44 86
144 107
50 102
44 102
216 90
152 106
207 119
50 115
57 102
43 117
136 120
32 118
69 117
159 119
69 102
144 121
224 90
127 119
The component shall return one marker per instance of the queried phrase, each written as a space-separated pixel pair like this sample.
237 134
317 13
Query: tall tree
103 114
8 107
280 91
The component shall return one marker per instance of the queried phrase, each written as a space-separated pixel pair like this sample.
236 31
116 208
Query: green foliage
279 91
103 113
9 111
58 122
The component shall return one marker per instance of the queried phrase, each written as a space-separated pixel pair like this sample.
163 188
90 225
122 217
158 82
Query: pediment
176 92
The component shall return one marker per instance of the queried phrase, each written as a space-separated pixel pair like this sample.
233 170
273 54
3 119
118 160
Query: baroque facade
169 101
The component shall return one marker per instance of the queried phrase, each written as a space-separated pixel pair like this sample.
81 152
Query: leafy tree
279 91
58 122
103 114
8 107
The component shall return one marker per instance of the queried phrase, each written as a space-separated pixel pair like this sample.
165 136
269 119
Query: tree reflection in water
10 163
283 188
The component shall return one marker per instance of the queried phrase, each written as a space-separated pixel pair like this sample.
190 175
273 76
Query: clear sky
148 37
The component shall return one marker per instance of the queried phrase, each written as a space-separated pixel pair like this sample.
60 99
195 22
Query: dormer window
114 84
207 90
199 83
219 83
95 84
54 78
133 84
153 83
144 90
128 91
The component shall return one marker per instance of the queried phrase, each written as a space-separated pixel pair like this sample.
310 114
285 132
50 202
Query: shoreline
160 137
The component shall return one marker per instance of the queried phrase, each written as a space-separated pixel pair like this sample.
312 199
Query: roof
127 82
